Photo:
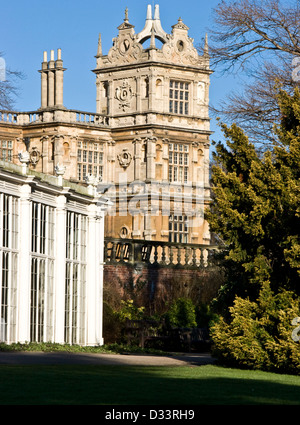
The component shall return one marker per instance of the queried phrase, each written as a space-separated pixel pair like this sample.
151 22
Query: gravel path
41 358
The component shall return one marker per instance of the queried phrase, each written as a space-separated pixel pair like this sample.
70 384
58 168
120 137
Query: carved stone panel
124 94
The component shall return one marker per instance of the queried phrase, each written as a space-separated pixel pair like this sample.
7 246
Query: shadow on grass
132 385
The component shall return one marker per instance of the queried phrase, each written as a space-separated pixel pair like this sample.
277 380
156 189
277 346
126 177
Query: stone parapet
53 115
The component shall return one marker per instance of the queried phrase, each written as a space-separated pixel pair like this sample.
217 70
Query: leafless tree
258 41
9 89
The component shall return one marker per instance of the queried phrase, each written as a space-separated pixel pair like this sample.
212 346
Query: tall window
6 150
75 293
179 97
9 231
42 272
178 229
178 162
89 159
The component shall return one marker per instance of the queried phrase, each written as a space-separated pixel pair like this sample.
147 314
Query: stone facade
147 144
51 258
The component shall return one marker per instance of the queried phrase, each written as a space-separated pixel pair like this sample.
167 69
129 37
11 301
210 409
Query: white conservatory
51 258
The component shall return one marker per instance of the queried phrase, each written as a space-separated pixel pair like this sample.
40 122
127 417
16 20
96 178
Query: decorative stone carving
179 46
59 170
125 49
124 158
35 156
91 180
24 157
124 232
124 95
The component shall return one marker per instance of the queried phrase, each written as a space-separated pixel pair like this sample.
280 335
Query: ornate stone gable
127 48
179 47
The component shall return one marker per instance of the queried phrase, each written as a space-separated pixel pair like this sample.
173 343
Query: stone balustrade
91 118
159 253
53 115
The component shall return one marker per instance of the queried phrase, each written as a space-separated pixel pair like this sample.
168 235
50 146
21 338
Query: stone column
138 95
94 279
60 268
152 91
24 269
165 160
44 82
137 158
98 95
193 176
46 154
59 80
110 98
58 151
111 160
150 171
51 82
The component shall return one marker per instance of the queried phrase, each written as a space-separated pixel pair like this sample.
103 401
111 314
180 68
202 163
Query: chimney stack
52 81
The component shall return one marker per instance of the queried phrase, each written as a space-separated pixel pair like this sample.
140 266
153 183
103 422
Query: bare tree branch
257 39
266 25
9 88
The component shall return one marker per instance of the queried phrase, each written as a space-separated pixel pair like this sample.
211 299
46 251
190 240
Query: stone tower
148 141
154 87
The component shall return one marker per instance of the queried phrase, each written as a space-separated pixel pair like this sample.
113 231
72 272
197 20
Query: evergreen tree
256 207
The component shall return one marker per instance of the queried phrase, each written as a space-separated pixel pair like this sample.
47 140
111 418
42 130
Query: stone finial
92 182
205 50
99 51
90 179
60 171
146 33
152 41
24 158
180 25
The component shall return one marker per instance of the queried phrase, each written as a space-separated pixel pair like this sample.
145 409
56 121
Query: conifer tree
256 207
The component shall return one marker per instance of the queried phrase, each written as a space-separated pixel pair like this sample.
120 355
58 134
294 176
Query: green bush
258 335
112 326
181 314
130 311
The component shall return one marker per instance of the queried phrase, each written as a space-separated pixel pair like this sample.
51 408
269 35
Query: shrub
258 335
130 311
181 314
112 327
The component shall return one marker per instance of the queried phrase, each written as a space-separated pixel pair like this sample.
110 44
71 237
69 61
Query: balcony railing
159 253
54 115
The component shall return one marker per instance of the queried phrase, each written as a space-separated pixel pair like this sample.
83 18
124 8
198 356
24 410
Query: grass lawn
131 385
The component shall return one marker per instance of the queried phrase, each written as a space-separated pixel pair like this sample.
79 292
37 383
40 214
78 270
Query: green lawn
130 385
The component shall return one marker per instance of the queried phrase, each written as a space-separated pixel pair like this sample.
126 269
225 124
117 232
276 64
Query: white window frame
179 95
42 272
9 253
90 157
178 162
75 284
178 228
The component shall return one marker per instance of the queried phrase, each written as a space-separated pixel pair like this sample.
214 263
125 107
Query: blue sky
30 27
